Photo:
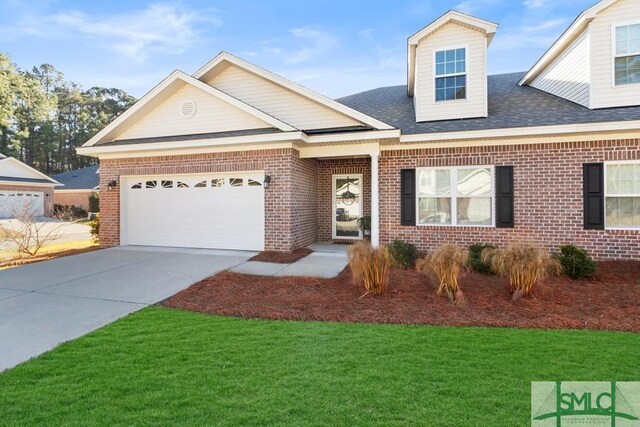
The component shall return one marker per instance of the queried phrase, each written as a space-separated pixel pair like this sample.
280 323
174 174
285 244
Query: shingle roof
25 180
510 106
192 137
79 179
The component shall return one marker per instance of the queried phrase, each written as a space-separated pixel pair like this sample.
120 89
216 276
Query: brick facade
79 198
288 200
548 196
48 194
298 203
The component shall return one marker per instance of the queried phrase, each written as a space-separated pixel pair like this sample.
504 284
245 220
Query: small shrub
444 266
475 258
95 229
524 264
576 262
370 266
68 212
403 254
94 202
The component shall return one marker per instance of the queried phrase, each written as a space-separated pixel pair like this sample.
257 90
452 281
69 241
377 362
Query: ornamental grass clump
525 264
370 266
444 266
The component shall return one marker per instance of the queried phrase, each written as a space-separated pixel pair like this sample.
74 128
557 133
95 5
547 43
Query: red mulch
611 300
47 256
282 257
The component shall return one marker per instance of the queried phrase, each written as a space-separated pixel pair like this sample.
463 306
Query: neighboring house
78 184
237 157
21 185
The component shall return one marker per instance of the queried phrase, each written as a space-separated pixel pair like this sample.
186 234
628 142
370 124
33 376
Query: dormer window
451 74
627 55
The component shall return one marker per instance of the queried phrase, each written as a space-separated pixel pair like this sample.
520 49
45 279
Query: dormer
596 61
447 68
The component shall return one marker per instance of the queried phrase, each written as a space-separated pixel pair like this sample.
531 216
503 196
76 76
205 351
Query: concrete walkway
326 261
50 302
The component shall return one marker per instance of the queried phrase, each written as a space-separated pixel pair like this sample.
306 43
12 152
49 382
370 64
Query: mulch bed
610 301
47 256
282 257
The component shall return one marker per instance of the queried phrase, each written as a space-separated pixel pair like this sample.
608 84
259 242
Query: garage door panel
191 212
12 202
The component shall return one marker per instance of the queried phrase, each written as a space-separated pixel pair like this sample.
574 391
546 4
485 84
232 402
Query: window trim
606 172
614 54
466 73
454 196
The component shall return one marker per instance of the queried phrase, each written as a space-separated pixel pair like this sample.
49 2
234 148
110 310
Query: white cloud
474 6
367 32
165 28
320 42
535 4
539 35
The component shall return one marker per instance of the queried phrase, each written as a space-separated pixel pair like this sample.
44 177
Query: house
21 185
236 157
79 184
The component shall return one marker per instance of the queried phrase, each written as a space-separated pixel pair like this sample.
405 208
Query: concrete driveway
50 302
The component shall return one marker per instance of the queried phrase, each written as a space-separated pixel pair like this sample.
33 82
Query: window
235 182
201 184
455 196
151 184
627 54
451 77
622 195
167 184
217 182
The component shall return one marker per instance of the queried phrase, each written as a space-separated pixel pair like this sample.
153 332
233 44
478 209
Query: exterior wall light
267 181
111 185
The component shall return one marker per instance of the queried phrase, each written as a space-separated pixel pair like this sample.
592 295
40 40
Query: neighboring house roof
80 179
575 29
14 171
25 180
510 106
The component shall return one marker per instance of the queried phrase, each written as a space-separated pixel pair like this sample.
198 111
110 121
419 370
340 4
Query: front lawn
163 366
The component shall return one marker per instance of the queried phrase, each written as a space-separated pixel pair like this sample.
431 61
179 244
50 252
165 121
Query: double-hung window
451 74
455 196
627 54
622 195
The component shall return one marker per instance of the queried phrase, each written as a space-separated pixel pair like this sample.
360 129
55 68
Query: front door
347 206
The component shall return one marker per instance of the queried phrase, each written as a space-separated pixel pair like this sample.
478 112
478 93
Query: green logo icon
575 404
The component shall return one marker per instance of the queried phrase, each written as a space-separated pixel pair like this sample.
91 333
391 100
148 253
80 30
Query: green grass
163 366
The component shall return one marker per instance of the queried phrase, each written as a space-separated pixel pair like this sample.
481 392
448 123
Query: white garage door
194 211
12 202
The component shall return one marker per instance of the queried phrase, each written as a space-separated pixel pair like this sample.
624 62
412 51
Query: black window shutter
593 182
504 197
408 197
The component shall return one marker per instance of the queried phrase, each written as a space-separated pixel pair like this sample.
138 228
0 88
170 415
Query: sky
335 47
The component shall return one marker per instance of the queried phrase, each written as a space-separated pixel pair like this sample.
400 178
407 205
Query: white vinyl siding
568 76
451 36
212 115
604 93
277 101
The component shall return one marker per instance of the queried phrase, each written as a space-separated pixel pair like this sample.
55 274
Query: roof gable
158 113
565 40
452 17
18 171
240 78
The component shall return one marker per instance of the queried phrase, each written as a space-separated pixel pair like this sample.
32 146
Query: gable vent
188 108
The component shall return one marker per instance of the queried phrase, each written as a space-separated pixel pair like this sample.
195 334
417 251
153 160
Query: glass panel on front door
348 206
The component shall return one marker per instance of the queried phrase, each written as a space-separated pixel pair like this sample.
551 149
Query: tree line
44 118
